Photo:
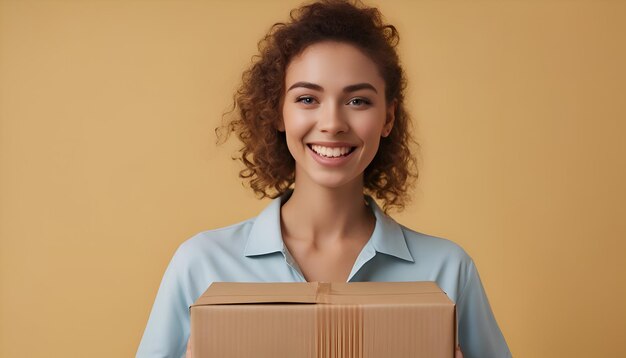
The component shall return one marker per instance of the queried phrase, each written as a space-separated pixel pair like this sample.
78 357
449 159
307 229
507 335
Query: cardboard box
319 319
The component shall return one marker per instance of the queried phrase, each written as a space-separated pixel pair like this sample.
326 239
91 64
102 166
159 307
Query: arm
168 326
479 334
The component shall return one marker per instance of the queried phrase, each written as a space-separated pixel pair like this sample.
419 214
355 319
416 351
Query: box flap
323 292
258 292
423 292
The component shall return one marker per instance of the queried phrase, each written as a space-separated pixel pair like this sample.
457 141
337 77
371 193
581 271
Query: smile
331 152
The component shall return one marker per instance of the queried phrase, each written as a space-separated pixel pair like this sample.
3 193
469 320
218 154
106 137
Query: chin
334 180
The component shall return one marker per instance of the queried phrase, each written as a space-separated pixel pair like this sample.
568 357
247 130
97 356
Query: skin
333 94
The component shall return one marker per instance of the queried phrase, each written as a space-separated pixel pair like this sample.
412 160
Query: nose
332 121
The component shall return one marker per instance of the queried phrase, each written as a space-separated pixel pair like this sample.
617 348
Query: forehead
333 64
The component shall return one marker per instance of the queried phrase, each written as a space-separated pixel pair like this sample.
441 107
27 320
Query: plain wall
108 161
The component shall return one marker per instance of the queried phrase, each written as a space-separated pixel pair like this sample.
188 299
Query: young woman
322 119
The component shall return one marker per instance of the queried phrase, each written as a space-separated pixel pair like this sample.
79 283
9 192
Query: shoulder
205 257
444 261
435 247
228 239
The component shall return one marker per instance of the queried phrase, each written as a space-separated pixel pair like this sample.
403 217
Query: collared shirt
254 251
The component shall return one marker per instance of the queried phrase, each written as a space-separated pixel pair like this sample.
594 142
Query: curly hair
269 166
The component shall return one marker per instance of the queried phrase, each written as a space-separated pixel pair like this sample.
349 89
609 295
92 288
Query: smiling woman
259 101
322 121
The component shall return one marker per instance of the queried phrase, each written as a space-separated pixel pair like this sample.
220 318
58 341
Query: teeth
330 152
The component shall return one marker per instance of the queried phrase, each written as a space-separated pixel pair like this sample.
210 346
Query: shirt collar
265 236
388 236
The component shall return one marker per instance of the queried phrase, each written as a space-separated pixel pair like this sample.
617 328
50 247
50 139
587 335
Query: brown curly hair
269 166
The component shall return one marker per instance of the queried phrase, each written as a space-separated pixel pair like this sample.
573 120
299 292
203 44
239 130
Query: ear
280 125
390 118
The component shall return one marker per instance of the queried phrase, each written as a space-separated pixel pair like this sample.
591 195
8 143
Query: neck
321 217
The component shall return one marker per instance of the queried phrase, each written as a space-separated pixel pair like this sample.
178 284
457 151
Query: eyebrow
347 89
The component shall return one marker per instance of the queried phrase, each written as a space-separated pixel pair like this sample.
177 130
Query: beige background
108 162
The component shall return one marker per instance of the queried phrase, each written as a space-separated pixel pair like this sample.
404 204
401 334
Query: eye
359 102
305 100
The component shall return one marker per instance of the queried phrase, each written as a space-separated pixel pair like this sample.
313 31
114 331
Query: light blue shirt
253 251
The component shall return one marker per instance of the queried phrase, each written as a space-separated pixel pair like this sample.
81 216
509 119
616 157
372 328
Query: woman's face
334 113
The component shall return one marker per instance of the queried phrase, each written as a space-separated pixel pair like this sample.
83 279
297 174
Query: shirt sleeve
168 327
479 334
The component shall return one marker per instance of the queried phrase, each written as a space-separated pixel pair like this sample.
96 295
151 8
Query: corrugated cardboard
323 320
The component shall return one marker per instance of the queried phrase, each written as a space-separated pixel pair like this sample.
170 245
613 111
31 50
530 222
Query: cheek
370 129
296 123
295 129
292 143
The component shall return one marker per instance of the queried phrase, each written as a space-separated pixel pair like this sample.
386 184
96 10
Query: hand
188 353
